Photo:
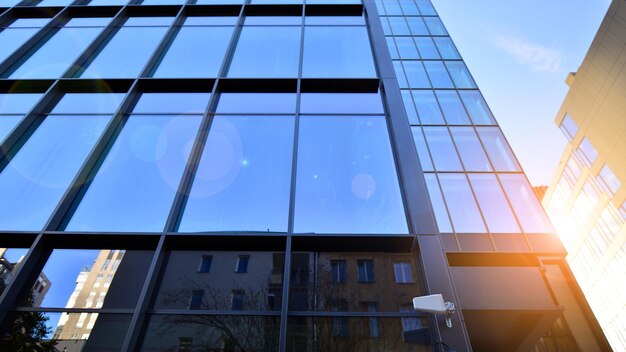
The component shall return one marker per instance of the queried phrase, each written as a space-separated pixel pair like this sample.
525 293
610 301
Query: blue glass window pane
333 1
337 20
210 21
439 207
29 22
54 57
220 2
7 124
266 52
609 180
460 74
255 103
273 20
88 103
493 204
195 52
477 107
341 103
107 2
399 26
386 26
452 107
426 8
417 26
498 149
163 2
346 180
17 103
587 152
392 48
406 48
427 107
135 187
337 52
461 204
435 27
446 48
148 21
409 7
525 204
55 2
470 149
416 75
392 7
422 149
402 82
126 54
276 1
426 48
34 181
173 103
438 75
569 128
244 177
409 107
88 22
12 38
442 149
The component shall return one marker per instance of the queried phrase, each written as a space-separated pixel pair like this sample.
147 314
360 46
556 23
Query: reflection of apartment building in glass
587 200
281 175
7 271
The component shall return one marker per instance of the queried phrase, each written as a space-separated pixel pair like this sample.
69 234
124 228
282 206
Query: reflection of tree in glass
27 332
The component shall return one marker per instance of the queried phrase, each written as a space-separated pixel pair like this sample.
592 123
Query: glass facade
226 175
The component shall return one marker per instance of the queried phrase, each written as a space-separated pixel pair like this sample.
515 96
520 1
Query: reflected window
244 176
337 52
54 54
608 180
470 149
498 149
346 179
476 107
338 271
442 149
237 300
461 204
402 272
365 271
493 204
113 60
197 296
525 204
586 152
569 127
267 52
195 51
242 264
205 263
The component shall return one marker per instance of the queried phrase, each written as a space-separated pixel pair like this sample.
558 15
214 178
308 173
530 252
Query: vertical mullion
193 162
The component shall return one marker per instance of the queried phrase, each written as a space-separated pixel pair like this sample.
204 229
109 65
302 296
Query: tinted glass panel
498 149
461 204
399 26
416 75
409 107
569 128
435 27
114 60
195 52
17 103
88 103
337 52
135 187
476 107
266 52
439 207
244 177
470 149
172 103
438 75
442 149
427 107
493 204
33 182
422 150
406 48
54 57
349 103
452 107
427 48
346 179
460 74
446 48
13 38
417 26
7 124
525 203
273 103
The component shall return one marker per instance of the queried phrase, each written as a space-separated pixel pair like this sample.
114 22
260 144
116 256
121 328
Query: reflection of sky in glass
346 179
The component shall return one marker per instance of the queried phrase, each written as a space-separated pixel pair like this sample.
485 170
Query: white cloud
537 56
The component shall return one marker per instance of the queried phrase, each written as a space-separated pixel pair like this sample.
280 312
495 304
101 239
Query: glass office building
586 199
267 175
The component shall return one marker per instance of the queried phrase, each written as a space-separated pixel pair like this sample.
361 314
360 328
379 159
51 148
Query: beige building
586 198
92 285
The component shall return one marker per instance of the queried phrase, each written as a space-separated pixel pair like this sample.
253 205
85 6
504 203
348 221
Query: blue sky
519 53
